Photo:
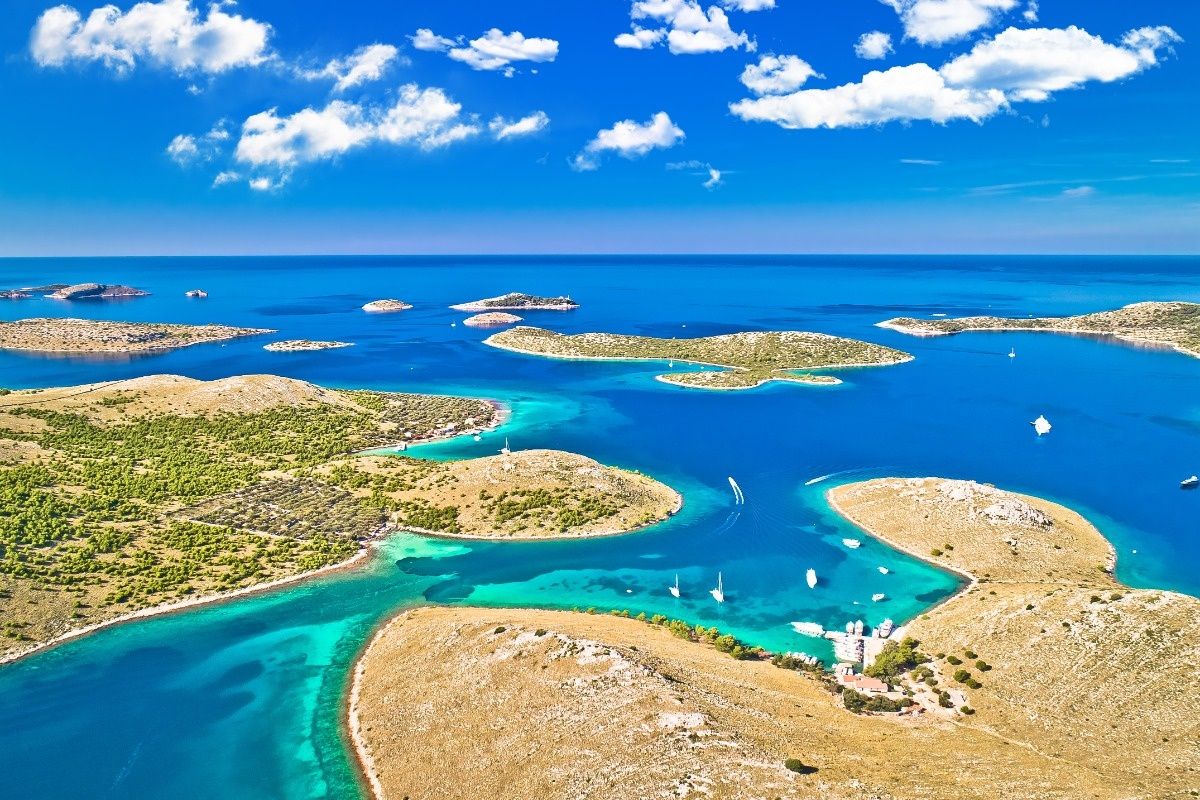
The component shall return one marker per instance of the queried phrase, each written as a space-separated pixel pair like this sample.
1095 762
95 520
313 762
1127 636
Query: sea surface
243 699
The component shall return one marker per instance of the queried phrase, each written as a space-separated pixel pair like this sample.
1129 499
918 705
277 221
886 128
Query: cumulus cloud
1031 11
1017 65
494 50
714 179
168 33
776 74
503 128
364 65
1030 63
629 139
873 45
687 27
422 118
187 149
713 176
939 21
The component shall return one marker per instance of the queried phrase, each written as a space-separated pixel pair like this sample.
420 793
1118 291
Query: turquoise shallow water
241 700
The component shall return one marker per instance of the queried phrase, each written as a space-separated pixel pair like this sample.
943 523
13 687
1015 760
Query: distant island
1168 324
125 496
1073 682
29 291
386 306
493 319
527 494
96 291
748 359
515 301
304 345
68 335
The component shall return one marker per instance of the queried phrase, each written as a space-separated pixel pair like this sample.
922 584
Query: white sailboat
853 544
1012 353
883 570
505 450
674 590
1041 425
719 592
810 577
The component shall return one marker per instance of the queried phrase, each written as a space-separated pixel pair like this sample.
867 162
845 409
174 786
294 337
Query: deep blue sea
242 700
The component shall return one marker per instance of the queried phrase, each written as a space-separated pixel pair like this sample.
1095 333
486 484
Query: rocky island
125 496
1056 657
493 319
516 301
1167 324
96 291
67 335
304 345
386 306
747 359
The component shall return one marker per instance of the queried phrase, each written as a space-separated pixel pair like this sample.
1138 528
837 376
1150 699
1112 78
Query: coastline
364 762
1157 344
178 606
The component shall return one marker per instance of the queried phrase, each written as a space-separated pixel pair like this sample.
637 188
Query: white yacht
810 578
883 570
808 629
1041 425
1190 483
719 592
674 590
853 544
878 596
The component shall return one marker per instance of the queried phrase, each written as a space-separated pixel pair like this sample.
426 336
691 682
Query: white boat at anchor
808 629
1190 483
1041 425
878 596
506 450
718 593
674 590
883 570
810 578
853 544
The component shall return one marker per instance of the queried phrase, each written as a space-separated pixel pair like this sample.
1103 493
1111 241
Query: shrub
967 710
973 684
895 659
955 660
982 665
961 675
540 632
935 552
799 767
499 629
970 654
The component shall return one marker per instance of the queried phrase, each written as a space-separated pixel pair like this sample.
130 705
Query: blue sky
271 126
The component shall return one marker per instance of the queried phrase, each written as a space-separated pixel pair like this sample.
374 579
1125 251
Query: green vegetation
97 517
860 703
799 767
749 359
560 508
895 659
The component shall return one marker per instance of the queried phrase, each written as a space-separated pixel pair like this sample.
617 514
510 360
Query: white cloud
714 179
494 50
169 33
1079 191
1031 11
424 118
939 21
425 39
687 28
901 93
748 5
1017 65
873 45
640 38
629 139
364 65
503 128
227 176
922 162
1030 63
183 149
264 184
777 74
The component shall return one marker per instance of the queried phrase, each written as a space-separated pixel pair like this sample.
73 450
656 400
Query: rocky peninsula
1167 324
386 306
516 301
131 495
747 360
527 494
304 345
67 335
1077 684
493 319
